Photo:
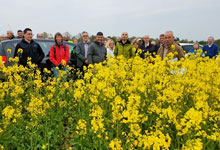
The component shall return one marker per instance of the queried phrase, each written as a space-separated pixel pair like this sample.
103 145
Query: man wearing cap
177 41
97 51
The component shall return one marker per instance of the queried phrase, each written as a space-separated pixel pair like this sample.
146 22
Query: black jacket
151 49
32 50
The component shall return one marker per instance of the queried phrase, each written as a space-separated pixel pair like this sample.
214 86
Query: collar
98 43
127 42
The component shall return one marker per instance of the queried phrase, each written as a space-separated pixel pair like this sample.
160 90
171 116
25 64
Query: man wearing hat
177 41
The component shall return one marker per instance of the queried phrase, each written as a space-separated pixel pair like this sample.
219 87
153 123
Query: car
188 46
45 45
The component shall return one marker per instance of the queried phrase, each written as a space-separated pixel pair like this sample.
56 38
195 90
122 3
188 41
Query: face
99 39
124 36
118 39
196 46
210 41
146 39
169 38
20 34
162 39
85 37
40 36
9 34
28 35
59 39
111 44
136 45
3 37
75 41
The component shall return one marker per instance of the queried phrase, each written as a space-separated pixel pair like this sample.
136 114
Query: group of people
97 51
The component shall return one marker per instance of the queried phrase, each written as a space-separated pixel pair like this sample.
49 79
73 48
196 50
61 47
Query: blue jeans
56 72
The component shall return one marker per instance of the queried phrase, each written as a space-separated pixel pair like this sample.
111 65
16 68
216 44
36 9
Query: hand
86 62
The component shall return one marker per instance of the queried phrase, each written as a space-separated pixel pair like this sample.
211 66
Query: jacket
125 49
60 53
151 49
177 51
96 53
211 51
32 50
80 53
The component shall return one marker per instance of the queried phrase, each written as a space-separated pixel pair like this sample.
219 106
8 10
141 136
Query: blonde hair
108 44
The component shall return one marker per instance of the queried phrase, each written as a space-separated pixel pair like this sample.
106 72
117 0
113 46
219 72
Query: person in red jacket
59 54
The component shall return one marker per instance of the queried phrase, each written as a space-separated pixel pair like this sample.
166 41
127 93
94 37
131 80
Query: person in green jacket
124 47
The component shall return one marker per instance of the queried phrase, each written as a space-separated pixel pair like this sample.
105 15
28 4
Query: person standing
10 35
28 48
211 49
20 34
82 51
97 51
124 47
161 42
59 54
147 47
110 45
170 47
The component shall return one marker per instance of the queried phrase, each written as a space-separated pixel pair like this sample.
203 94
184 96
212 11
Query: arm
52 58
41 54
216 51
90 54
116 50
67 54
78 54
132 53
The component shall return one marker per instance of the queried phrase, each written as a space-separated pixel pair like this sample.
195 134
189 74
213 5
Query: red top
60 54
4 59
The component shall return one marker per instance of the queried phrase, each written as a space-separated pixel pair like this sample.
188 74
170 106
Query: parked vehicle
188 46
45 45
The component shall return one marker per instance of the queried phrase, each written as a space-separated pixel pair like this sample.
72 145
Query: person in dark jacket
59 54
97 51
20 34
161 42
211 50
28 48
147 47
82 51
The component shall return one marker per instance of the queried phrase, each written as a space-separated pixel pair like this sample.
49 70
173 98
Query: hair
162 35
108 44
26 30
147 36
57 34
211 37
19 31
99 34
84 32
169 32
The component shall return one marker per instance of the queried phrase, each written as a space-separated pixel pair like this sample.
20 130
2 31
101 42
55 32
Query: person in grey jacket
82 51
97 51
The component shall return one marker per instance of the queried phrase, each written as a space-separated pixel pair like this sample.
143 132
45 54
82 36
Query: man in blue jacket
211 50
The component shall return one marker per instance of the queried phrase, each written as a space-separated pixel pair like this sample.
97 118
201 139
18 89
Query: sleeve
132 52
21 59
116 50
180 53
78 54
16 50
90 53
41 54
52 58
67 54
216 51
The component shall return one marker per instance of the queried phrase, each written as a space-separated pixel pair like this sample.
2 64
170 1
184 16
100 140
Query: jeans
56 72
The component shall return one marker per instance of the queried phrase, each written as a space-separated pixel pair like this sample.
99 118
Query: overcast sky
189 19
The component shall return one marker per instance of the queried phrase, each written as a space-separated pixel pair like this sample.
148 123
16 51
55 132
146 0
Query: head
196 45
50 37
210 40
65 38
20 34
3 37
28 34
10 34
99 37
162 39
146 39
58 38
153 43
169 38
135 43
85 36
118 39
75 41
40 36
109 38
110 44
140 42
177 40
124 36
